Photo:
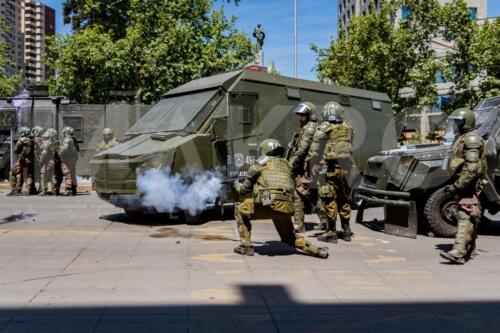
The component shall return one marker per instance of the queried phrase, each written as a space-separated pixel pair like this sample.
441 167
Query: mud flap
401 221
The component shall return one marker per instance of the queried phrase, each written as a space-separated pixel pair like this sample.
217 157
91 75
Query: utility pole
295 38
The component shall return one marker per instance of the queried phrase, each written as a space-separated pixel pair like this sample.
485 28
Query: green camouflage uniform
269 188
299 148
50 164
68 152
21 173
106 145
331 149
466 160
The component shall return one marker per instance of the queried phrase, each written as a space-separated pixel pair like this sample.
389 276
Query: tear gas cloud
190 190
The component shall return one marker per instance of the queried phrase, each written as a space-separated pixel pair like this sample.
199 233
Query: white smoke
191 190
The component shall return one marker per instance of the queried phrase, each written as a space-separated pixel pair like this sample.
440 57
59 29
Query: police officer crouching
269 190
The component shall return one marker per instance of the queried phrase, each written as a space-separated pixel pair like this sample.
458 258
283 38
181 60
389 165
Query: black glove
451 189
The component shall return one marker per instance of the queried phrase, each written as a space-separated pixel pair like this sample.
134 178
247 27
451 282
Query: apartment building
347 9
29 23
12 15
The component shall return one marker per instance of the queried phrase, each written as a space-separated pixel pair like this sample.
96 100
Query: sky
316 23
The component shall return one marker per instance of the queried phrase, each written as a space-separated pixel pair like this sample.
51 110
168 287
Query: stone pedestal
259 58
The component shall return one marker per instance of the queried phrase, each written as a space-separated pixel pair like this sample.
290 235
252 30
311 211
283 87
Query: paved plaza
80 265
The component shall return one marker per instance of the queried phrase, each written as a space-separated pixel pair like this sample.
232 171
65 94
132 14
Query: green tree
8 84
381 54
166 43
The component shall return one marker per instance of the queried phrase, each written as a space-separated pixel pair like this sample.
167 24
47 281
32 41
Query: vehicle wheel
356 201
439 212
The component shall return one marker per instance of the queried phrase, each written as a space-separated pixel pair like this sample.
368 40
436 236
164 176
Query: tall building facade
29 23
12 15
347 9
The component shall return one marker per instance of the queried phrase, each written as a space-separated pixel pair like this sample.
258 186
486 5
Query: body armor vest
276 178
339 142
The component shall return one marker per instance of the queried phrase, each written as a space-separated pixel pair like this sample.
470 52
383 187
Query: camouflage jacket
103 145
68 151
24 148
49 152
331 142
270 174
467 160
300 145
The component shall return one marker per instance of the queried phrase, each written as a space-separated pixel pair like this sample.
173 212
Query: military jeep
409 182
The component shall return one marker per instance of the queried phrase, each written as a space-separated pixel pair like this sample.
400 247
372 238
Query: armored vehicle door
236 136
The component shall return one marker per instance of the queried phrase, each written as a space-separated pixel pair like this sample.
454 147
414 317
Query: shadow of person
275 248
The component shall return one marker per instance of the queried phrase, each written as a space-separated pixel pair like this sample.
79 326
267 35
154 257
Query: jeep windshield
176 113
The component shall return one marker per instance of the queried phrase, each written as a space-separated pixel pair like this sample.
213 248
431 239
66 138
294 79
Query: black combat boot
329 237
346 234
244 250
14 193
73 190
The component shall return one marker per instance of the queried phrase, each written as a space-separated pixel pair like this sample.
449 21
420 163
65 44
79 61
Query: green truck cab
217 123
409 181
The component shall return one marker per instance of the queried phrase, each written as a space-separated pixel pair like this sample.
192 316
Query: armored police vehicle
409 181
218 122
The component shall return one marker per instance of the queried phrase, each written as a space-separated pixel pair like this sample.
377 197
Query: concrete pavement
80 265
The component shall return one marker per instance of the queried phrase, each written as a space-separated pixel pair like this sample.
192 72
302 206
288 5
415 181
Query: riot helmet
304 108
460 121
271 147
50 135
107 134
333 112
37 131
68 131
24 132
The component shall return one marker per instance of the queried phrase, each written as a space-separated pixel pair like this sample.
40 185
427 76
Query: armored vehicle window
376 106
486 120
172 113
242 113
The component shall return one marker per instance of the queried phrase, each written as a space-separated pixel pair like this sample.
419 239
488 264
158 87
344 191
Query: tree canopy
382 53
147 46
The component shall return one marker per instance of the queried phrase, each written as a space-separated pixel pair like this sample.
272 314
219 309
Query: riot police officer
50 163
108 140
68 152
330 156
37 133
296 155
21 173
268 190
466 162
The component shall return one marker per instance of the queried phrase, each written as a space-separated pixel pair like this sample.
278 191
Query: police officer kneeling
268 190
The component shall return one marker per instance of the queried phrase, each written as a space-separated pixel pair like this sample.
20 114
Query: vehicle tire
356 201
439 212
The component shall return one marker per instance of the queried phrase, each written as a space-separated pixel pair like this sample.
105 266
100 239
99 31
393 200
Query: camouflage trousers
468 216
302 197
21 177
333 194
68 171
48 177
248 210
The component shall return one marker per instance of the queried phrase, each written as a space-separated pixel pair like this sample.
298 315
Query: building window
473 13
353 9
405 13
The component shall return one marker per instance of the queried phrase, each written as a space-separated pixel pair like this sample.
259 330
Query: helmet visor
453 127
301 109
